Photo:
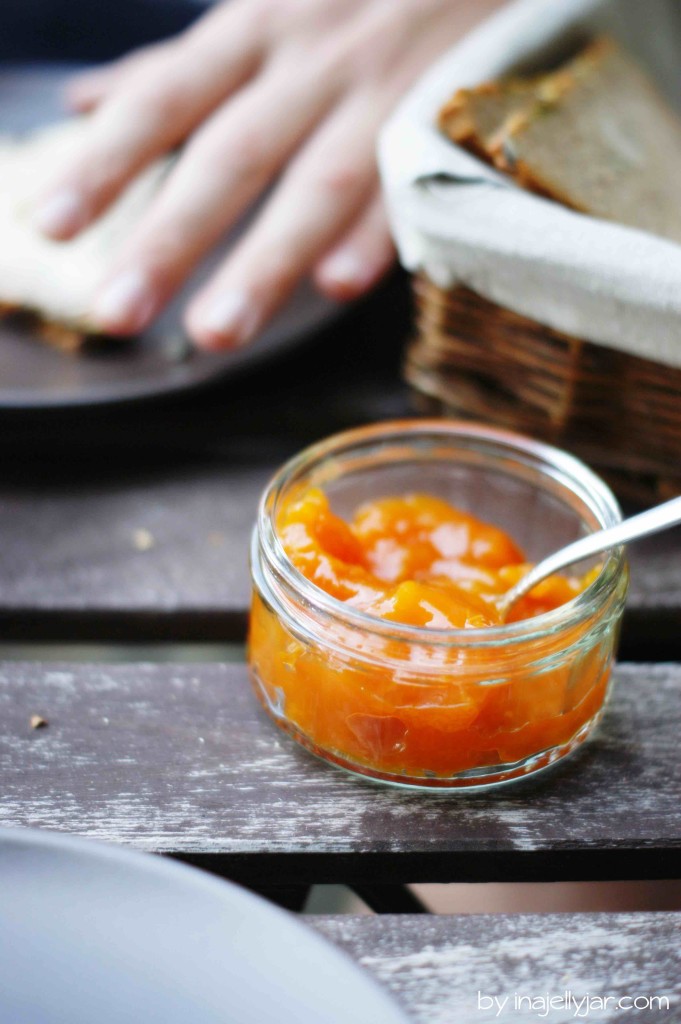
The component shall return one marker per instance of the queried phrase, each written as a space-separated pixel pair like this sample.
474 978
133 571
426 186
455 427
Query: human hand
256 89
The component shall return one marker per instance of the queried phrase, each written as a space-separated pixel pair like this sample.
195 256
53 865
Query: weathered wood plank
181 760
163 552
652 620
655 565
133 555
438 966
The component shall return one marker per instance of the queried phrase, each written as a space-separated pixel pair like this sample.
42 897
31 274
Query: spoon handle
655 519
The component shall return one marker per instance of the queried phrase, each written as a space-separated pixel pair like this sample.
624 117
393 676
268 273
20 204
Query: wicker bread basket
604 379
619 412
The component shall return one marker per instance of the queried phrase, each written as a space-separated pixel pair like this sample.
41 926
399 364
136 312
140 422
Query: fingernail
125 303
344 268
60 214
230 318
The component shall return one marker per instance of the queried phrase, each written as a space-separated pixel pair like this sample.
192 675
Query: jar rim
592 490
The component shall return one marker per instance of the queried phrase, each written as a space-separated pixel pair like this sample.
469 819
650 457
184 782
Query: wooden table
448 969
131 526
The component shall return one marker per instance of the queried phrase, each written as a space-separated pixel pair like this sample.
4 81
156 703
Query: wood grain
162 552
143 553
181 760
436 966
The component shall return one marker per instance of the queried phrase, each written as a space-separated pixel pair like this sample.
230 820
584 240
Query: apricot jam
376 641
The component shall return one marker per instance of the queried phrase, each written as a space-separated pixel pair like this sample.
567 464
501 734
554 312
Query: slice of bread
54 283
609 146
473 117
595 135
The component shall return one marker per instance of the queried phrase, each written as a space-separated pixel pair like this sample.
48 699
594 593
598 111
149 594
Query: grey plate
34 376
90 933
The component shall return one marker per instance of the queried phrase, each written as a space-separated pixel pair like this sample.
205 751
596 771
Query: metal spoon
662 517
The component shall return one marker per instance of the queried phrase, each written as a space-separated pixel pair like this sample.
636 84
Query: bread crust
63 337
594 135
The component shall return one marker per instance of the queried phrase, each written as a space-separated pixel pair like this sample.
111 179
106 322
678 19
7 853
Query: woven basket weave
620 413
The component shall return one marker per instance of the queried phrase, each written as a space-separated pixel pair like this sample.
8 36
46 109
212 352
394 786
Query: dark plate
90 933
159 362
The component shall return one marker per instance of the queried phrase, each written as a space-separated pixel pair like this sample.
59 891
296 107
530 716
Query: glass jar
437 708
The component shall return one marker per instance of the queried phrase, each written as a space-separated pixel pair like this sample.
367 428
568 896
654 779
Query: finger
154 112
226 166
319 197
360 259
85 90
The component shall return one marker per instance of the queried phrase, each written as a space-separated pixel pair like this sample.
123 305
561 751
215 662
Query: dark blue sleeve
88 30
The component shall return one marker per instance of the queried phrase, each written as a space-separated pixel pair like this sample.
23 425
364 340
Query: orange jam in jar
375 638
